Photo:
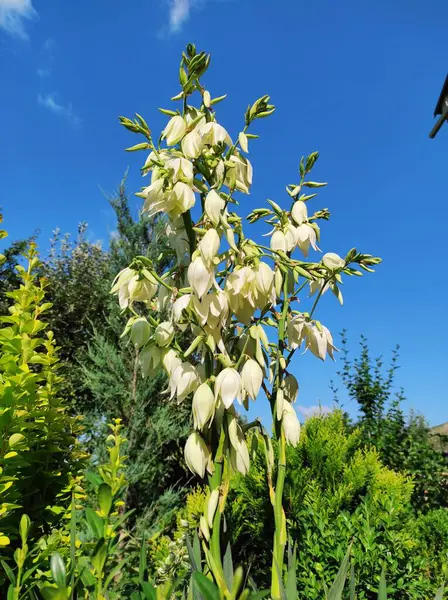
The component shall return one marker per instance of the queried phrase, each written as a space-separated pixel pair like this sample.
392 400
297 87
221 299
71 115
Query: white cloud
12 16
67 112
179 13
317 409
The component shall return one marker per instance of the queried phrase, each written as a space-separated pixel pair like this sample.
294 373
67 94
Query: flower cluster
207 319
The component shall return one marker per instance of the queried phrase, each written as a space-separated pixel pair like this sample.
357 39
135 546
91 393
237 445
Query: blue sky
357 81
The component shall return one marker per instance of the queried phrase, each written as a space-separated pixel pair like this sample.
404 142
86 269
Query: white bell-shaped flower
182 169
291 237
279 241
228 386
291 388
197 454
212 133
299 212
200 276
203 406
209 245
182 198
183 381
192 144
174 131
333 261
164 334
149 359
306 237
213 206
239 454
170 361
290 424
140 332
251 378
264 277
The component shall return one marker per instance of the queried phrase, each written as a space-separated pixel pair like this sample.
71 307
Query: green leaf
382 588
149 590
337 588
99 556
11 593
228 566
58 571
291 575
95 522
105 498
142 566
51 593
352 583
207 588
9 572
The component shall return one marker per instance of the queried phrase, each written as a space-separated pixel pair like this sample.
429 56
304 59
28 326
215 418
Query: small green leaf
206 587
105 498
148 590
58 571
24 527
95 522
9 572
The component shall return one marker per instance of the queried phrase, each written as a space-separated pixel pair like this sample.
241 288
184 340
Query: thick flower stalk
223 320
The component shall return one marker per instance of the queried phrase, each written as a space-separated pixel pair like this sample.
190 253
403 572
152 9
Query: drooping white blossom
290 424
174 131
209 245
140 332
164 334
251 378
291 388
214 205
228 386
150 358
197 454
203 406
279 241
200 276
306 237
192 144
212 133
183 381
299 212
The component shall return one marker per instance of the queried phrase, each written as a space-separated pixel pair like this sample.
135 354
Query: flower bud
209 245
228 386
192 144
175 130
280 403
252 378
164 334
239 454
140 332
213 206
242 138
299 212
196 454
290 424
278 241
333 261
203 406
203 526
212 505
206 98
200 277
278 282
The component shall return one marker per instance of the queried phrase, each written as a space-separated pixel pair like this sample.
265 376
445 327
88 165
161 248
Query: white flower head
200 276
140 332
175 130
203 406
192 144
197 454
306 237
228 386
209 245
183 381
290 424
212 133
299 212
279 241
213 206
164 334
252 378
333 261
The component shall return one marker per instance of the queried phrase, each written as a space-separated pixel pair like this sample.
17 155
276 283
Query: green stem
215 482
279 518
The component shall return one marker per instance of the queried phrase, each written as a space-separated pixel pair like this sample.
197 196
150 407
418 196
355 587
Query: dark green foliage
336 492
403 442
